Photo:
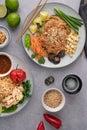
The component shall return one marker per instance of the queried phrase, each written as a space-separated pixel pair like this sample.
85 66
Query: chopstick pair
30 19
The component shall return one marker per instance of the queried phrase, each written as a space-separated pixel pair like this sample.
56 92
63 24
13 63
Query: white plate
17 61
67 59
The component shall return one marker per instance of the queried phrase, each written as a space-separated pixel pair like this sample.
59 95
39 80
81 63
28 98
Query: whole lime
12 5
13 19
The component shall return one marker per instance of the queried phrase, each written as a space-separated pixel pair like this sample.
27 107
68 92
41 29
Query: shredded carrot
36 46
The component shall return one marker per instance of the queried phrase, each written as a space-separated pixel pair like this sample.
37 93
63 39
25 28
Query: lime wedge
0 108
3 10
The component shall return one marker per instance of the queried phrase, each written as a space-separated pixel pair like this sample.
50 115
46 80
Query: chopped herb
40 30
41 60
10 109
27 41
34 55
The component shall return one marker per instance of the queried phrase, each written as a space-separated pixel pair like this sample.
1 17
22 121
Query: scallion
73 22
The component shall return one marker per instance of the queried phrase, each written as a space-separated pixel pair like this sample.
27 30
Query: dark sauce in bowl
5 64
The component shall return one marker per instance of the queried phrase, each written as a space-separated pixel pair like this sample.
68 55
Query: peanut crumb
2 37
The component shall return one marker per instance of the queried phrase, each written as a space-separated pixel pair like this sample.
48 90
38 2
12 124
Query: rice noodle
54 34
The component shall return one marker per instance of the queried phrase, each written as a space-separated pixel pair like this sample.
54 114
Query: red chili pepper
17 75
41 126
53 120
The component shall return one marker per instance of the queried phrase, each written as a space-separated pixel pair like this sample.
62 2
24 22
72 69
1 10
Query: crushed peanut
2 37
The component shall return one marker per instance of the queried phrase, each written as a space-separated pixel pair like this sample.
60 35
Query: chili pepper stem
17 66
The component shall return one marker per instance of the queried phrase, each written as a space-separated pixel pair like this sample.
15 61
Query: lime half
3 10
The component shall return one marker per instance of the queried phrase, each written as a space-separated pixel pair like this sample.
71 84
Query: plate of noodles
52 40
14 96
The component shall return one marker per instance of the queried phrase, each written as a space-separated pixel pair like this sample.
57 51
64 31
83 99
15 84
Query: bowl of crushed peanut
4 36
53 100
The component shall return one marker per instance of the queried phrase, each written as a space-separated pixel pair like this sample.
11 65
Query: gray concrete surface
74 113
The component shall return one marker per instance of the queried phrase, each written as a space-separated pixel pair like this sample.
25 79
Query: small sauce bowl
5 36
6 64
53 100
72 84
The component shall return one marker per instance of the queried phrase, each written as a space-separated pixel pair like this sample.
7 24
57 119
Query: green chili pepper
27 41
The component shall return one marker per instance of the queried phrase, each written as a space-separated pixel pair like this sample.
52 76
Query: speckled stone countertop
74 113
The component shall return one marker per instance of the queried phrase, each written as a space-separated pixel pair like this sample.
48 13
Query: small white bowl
11 62
7 34
57 108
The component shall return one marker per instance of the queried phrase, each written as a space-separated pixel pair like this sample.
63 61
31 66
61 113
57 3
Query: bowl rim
9 56
78 80
61 105
8 36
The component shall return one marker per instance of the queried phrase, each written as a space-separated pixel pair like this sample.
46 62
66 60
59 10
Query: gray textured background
74 114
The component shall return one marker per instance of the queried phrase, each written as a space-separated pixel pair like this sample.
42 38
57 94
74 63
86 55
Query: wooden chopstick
31 20
30 16
35 12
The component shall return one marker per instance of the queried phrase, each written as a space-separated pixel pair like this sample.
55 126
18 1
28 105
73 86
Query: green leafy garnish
10 109
41 60
73 22
27 90
34 55
27 41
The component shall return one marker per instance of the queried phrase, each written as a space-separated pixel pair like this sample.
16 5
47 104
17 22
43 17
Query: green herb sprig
34 55
41 60
8 110
27 90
